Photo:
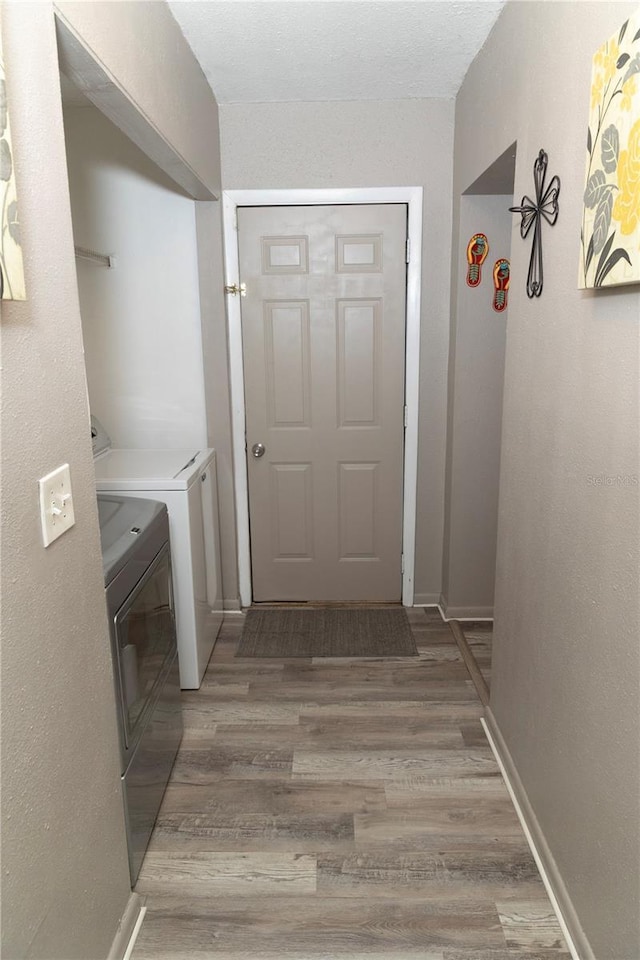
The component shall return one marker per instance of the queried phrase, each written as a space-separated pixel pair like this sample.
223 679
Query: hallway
341 809
366 791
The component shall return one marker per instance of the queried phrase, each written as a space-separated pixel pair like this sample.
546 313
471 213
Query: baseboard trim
127 934
231 605
426 599
465 613
575 936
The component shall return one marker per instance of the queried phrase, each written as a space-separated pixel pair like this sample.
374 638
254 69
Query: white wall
141 320
217 395
475 422
565 673
371 144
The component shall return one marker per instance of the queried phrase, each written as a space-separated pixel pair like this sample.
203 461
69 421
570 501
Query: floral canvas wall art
610 239
11 268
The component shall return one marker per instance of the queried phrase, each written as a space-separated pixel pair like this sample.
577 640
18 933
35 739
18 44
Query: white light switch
56 504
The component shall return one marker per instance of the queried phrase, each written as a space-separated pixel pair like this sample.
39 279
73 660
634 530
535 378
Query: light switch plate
56 504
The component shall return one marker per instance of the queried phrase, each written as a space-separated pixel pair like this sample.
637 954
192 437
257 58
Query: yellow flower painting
11 267
610 237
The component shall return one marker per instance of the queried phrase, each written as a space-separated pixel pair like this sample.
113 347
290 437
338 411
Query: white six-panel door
323 329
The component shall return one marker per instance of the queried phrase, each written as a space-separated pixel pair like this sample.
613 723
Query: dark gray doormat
326 632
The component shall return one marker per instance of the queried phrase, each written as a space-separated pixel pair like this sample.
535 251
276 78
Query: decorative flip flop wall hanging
501 277
477 252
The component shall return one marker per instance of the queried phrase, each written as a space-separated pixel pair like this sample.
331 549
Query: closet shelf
102 259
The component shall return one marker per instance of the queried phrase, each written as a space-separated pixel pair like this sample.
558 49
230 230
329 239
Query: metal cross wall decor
546 205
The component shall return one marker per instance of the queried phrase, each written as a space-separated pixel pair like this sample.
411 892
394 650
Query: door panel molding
288 358
290 495
357 484
358 401
412 196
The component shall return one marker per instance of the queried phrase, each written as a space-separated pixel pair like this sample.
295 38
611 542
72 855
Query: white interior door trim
231 200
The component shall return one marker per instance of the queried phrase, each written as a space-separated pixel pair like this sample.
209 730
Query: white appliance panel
149 469
212 544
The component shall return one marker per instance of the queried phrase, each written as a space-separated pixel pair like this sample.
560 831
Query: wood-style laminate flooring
341 810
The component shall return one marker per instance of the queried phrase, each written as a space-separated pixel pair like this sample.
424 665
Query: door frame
412 197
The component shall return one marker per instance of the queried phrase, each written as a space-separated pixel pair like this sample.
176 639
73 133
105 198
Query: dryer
136 560
185 480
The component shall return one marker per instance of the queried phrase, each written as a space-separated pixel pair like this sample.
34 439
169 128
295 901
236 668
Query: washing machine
185 480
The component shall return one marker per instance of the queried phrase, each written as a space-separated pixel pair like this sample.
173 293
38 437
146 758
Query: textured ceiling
269 50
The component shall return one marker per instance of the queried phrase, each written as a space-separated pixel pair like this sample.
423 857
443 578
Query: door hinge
402 563
234 289
407 257
406 416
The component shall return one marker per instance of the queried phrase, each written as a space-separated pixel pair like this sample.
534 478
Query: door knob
258 450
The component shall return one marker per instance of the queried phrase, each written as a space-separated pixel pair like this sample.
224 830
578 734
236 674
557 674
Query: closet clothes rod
103 259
